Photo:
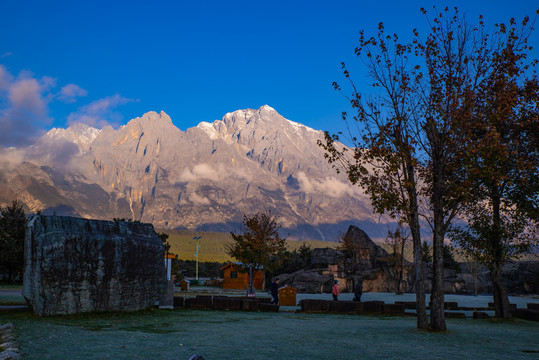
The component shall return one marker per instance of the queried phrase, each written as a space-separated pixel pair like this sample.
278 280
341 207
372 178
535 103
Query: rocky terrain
375 267
204 178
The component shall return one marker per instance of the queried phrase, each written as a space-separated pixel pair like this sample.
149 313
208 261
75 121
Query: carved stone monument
75 265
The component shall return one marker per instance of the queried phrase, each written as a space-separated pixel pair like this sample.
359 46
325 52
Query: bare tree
397 240
383 156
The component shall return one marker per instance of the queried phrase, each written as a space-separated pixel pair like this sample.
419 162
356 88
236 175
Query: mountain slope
203 178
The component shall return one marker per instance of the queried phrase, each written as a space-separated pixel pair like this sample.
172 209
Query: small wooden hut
233 278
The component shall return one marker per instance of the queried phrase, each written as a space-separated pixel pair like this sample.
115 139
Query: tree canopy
439 101
12 231
259 241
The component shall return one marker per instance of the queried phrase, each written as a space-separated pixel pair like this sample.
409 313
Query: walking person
335 290
275 291
358 290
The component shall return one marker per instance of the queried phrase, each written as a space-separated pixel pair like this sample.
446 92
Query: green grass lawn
213 244
220 335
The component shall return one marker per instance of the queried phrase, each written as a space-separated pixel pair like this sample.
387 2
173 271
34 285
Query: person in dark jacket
358 290
275 291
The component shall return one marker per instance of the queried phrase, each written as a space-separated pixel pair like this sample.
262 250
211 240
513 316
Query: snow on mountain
80 134
203 178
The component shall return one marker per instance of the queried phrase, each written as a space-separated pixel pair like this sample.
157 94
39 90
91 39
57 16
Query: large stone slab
75 265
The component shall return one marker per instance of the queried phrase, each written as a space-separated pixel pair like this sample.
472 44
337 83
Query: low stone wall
238 303
75 265
531 313
351 307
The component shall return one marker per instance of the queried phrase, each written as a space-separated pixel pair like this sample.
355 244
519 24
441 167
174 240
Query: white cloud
28 93
5 78
198 200
11 158
242 174
100 113
202 172
330 186
206 172
24 111
70 93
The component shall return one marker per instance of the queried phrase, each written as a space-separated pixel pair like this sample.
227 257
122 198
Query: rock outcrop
369 262
75 265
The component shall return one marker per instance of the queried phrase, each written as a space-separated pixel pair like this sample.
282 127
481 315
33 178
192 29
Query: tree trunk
399 281
401 268
501 301
437 315
437 171
413 222
250 290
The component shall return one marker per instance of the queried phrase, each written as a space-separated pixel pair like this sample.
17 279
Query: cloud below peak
330 186
199 172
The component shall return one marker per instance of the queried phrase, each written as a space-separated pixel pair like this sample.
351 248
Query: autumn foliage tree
410 144
382 156
258 246
501 219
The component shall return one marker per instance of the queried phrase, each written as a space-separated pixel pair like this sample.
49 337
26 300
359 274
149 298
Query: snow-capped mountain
203 178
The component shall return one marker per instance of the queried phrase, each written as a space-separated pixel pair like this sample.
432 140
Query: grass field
220 335
213 244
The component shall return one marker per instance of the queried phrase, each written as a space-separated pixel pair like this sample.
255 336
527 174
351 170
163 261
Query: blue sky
106 62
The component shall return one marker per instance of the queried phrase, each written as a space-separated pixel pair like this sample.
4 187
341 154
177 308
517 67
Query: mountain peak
152 116
151 119
267 108
78 133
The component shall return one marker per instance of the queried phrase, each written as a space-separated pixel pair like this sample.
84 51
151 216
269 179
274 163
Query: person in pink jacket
335 290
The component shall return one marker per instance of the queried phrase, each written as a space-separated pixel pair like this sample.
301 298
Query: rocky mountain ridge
204 178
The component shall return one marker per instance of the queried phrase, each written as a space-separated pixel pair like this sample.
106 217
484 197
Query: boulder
349 307
314 305
75 265
308 281
250 304
478 315
322 257
226 303
367 253
371 263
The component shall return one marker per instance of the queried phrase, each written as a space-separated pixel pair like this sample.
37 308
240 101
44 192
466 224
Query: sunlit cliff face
206 177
